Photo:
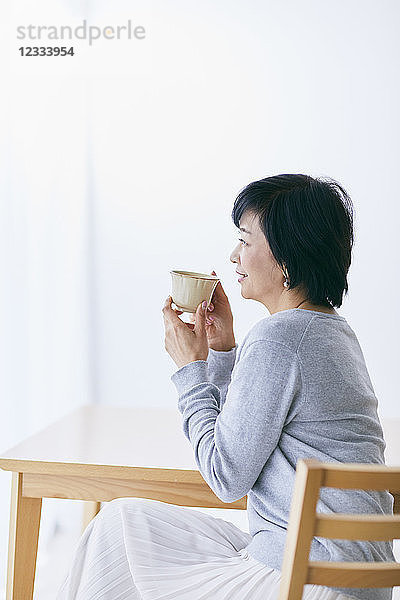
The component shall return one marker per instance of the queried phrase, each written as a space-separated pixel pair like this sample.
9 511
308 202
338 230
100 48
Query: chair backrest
305 523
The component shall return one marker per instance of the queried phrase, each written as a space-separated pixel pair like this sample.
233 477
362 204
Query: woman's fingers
209 319
192 318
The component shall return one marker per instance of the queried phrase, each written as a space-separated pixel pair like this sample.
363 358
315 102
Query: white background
123 162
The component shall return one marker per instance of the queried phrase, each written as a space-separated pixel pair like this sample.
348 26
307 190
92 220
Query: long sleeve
220 365
232 444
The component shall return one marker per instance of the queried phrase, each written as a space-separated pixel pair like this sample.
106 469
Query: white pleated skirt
139 549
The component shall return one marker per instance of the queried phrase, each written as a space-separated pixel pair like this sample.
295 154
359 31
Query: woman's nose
234 255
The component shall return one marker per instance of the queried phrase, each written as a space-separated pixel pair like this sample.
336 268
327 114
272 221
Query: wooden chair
305 523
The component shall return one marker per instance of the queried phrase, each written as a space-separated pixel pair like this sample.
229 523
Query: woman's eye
245 243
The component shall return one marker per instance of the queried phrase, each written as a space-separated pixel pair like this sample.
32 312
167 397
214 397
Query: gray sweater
296 387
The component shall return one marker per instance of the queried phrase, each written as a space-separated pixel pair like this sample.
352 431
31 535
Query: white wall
233 93
123 162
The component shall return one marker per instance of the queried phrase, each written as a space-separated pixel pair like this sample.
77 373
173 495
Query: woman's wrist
223 347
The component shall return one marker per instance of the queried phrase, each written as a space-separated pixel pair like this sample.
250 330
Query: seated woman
296 387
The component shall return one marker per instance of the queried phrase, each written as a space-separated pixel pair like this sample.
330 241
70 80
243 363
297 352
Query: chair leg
300 531
23 542
90 510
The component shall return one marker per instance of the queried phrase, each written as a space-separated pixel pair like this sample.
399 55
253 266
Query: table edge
101 470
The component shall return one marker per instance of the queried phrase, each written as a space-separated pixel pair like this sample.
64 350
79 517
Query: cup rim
194 275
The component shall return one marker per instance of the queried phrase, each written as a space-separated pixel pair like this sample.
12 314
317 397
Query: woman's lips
241 278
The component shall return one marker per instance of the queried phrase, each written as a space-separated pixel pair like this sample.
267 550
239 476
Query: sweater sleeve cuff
189 375
221 362
221 355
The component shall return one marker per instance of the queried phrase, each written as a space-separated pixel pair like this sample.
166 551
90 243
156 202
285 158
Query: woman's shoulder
298 329
286 327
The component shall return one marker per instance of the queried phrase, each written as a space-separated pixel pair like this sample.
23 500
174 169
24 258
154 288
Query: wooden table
98 453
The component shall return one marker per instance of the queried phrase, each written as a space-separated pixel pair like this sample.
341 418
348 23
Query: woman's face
253 257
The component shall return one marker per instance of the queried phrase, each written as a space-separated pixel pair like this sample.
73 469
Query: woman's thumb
218 292
217 287
200 318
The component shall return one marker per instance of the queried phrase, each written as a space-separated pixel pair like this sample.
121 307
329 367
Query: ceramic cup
190 288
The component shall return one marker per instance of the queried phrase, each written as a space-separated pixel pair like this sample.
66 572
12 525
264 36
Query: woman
296 387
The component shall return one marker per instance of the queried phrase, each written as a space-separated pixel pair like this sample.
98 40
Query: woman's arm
220 365
232 445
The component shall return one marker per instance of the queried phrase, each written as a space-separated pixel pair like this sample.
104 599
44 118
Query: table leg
23 542
90 510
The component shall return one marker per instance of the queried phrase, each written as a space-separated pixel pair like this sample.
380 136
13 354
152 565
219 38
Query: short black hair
308 224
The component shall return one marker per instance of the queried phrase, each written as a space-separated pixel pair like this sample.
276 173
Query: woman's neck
287 302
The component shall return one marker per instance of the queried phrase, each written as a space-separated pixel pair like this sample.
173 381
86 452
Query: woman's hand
219 324
183 342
